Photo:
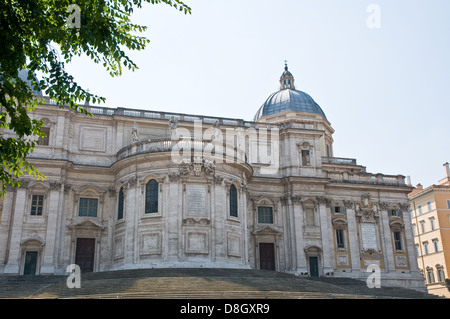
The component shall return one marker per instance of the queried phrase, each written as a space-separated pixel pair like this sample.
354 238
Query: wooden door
267 256
314 266
30 263
85 252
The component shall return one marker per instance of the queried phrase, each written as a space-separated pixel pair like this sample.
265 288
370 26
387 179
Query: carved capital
218 180
404 206
349 204
296 199
55 185
324 200
67 188
112 191
173 176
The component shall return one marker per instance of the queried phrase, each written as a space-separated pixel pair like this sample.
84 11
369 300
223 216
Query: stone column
49 251
7 213
409 238
174 216
244 219
15 250
130 240
386 241
327 239
353 240
289 233
300 256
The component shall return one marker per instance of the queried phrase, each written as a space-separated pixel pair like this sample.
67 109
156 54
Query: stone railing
338 160
365 178
184 146
208 120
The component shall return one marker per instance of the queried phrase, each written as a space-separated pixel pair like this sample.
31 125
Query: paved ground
197 284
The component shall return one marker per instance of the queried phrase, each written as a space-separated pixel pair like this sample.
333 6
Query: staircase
198 284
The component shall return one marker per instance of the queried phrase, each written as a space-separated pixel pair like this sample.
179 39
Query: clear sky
386 90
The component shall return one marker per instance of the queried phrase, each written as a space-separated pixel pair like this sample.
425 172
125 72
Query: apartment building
430 215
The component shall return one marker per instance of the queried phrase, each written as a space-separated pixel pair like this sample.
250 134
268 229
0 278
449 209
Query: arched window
120 205
151 197
233 201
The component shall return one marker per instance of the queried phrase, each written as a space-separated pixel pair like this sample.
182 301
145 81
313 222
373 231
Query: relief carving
197 164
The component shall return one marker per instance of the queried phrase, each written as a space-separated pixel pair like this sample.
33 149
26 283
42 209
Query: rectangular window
429 206
432 223
436 246
440 273
395 212
417 251
265 215
306 160
414 229
340 238
88 207
425 248
338 209
448 203
420 209
37 202
120 204
44 140
422 226
430 276
398 240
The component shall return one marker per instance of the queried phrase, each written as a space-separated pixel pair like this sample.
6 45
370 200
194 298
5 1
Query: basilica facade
130 188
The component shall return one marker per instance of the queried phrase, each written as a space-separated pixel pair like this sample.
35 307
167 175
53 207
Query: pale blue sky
385 91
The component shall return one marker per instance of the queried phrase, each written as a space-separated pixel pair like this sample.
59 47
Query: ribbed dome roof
288 100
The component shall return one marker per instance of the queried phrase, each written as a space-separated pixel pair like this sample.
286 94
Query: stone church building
130 188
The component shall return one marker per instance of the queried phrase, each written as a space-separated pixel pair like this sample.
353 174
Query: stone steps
196 284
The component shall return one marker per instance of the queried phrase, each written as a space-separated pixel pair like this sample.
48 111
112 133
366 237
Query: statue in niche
134 134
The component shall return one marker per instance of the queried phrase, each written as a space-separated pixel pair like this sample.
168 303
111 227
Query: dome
23 74
288 99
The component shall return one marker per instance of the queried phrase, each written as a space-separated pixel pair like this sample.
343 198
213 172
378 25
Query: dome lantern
286 79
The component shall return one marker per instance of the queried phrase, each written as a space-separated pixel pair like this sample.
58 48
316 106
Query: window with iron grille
88 207
120 205
265 215
233 201
151 197
37 202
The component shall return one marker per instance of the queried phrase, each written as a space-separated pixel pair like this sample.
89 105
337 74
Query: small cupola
286 79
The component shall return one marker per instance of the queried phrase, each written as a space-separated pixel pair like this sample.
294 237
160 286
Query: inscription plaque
369 236
196 199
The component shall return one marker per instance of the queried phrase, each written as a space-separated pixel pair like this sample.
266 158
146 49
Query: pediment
268 230
87 223
35 240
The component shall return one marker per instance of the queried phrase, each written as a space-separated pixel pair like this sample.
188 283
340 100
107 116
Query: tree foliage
29 32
